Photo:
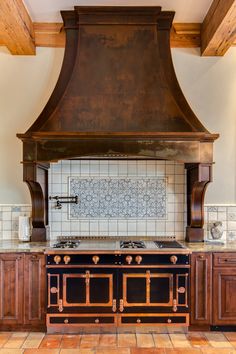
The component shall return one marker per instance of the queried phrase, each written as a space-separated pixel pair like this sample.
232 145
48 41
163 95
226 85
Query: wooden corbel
198 177
36 178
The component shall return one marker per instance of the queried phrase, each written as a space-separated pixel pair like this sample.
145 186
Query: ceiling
186 10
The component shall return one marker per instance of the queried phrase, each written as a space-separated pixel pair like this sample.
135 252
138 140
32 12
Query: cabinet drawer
152 319
86 319
224 259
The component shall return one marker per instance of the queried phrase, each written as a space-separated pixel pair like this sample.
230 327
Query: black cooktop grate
168 244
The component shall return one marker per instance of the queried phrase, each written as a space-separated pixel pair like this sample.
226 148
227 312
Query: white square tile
112 226
141 226
132 226
170 169
93 226
84 226
103 226
151 226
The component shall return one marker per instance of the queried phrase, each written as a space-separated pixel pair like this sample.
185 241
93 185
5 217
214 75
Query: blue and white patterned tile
118 197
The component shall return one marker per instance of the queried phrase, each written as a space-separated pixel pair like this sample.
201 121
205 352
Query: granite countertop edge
7 246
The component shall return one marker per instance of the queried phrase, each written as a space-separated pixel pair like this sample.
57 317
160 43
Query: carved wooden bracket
198 177
36 178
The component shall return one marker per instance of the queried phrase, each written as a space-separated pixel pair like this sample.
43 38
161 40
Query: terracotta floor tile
11 351
112 351
127 340
108 340
231 336
144 340
89 340
41 351
16 340
4 336
147 351
183 351
70 341
216 351
197 339
217 340
33 340
78 351
162 341
179 340
51 341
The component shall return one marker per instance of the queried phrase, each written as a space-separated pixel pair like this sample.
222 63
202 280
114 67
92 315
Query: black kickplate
223 328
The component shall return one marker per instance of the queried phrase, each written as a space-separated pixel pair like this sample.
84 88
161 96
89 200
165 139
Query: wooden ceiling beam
16 28
219 28
183 35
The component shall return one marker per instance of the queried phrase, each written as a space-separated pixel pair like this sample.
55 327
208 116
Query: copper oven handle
60 307
121 305
114 305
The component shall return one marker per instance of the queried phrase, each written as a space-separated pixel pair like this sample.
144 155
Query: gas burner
168 244
132 244
66 244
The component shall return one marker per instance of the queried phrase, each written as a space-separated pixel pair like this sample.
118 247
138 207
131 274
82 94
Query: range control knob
173 259
129 259
138 259
57 259
95 259
66 259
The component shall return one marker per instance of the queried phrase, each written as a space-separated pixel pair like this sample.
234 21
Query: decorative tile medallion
118 197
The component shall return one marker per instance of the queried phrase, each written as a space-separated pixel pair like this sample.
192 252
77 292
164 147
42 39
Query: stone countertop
93 246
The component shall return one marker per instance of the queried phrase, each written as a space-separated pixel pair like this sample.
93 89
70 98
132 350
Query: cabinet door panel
201 285
11 282
34 290
224 299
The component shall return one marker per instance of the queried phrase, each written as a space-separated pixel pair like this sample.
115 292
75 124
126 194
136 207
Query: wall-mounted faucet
64 200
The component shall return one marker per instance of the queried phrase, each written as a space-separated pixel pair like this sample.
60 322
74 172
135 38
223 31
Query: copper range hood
117 96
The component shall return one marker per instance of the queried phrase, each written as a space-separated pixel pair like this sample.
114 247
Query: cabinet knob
138 259
57 259
169 320
97 320
95 259
54 290
66 259
201 256
138 320
173 259
66 320
129 259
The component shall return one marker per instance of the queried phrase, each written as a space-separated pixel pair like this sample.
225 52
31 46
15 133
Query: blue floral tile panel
118 197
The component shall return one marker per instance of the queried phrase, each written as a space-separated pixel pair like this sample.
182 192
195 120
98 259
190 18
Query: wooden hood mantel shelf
117 96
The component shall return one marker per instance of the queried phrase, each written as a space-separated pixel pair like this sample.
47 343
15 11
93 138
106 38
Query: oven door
162 290
81 290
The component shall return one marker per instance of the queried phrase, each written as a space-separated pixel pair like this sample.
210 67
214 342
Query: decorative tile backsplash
224 213
118 197
9 215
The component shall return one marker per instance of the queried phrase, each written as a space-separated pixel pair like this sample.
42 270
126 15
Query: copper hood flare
117 96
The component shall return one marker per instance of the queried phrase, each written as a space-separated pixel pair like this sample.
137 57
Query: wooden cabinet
34 289
201 288
11 291
224 289
22 293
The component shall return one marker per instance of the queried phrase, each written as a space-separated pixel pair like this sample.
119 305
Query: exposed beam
16 28
52 35
49 35
219 28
